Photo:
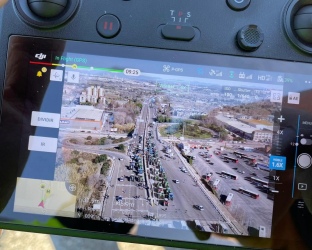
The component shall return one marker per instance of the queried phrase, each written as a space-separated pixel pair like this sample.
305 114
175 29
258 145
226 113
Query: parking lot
234 174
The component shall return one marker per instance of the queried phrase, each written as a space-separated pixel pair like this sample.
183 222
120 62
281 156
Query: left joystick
47 8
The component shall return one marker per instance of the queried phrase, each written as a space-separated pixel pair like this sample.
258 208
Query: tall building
263 135
83 97
93 94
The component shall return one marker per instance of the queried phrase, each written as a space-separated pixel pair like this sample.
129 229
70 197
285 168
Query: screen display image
220 147
129 168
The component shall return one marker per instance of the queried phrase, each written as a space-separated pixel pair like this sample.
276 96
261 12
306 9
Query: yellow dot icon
74 66
44 69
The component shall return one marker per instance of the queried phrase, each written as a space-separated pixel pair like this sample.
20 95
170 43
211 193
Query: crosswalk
143 211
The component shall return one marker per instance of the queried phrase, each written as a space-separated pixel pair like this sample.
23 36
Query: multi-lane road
132 200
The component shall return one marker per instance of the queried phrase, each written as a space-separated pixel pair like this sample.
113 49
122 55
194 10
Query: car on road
121 179
118 198
121 159
199 207
176 181
240 171
211 163
184 170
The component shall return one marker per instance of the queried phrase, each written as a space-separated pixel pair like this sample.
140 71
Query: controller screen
171 145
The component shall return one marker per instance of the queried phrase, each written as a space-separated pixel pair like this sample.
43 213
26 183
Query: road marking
125 185
130 210
115 185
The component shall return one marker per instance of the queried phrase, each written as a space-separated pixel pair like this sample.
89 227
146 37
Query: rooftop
80 113
236 124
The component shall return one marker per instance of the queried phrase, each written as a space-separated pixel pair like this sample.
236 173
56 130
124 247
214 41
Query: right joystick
303 24
298 24
47 8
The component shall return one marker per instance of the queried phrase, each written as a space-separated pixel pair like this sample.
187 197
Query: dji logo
40 56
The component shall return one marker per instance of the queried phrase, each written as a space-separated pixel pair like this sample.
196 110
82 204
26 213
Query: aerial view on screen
168 151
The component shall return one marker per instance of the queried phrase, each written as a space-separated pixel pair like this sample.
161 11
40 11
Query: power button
238 5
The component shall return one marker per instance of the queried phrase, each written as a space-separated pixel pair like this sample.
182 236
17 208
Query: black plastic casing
140 19
140 26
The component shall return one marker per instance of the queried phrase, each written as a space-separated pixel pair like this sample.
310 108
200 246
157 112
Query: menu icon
276 96
73 77
293 98
56 75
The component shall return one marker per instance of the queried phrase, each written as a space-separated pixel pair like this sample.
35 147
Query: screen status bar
137 67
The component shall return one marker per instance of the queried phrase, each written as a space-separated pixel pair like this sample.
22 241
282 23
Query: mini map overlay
47 197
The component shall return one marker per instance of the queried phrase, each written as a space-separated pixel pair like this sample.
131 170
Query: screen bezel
25 44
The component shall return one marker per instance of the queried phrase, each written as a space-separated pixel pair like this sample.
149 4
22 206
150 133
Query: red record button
178 32
108 26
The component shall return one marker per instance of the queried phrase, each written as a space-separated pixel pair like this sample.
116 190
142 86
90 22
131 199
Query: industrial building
82 117
254 132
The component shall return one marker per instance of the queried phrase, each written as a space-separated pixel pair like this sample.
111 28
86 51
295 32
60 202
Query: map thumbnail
45 197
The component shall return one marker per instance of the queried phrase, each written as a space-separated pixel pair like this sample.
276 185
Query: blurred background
14 240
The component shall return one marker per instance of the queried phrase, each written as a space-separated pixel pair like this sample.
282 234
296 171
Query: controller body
271 29
215 26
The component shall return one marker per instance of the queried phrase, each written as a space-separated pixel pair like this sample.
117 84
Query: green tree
102 141
139 105
73 141
100 158
190 160
121 147
75 152
223 135
74 161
